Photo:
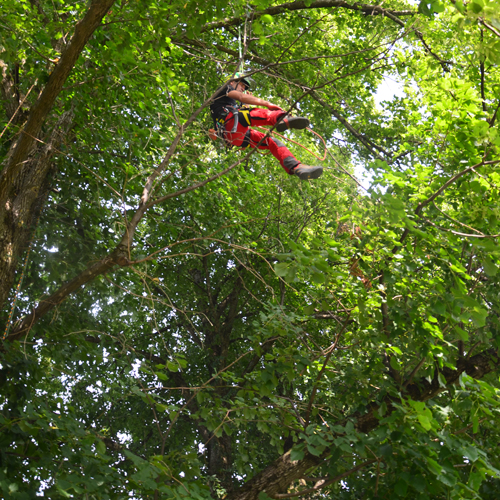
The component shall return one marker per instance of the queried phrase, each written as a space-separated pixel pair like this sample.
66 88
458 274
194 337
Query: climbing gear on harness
296 122
305 172
220 124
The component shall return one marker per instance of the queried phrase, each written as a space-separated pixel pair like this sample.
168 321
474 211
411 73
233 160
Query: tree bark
275 478
24 203
25 169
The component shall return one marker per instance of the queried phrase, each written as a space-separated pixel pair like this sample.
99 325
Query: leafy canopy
233 332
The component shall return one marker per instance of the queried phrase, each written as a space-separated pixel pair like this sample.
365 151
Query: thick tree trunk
22 207
26 168
220 461
276 478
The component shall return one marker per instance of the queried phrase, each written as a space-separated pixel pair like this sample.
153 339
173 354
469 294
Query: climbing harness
220 123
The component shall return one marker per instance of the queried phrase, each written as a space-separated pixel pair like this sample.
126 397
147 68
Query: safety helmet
240 77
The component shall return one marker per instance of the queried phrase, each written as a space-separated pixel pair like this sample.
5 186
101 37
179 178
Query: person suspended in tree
233 123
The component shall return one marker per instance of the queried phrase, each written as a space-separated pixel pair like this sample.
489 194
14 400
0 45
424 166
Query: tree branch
431 198
371 10
40 110
323 484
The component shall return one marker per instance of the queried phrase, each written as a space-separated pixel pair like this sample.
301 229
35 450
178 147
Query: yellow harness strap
246 115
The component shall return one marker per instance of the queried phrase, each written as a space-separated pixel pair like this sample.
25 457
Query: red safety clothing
245 136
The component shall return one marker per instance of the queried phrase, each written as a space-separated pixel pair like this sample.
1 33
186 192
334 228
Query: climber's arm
254 101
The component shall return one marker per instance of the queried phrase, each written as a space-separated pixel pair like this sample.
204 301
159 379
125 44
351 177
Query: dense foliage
193 322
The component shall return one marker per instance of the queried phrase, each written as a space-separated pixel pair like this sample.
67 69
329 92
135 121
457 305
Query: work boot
297 122
305 172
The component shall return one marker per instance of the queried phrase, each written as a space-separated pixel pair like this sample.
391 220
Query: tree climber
233 125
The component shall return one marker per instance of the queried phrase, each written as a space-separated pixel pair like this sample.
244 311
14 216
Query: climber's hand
272 107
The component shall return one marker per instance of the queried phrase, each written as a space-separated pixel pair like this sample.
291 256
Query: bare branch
486 25
431 198
371 10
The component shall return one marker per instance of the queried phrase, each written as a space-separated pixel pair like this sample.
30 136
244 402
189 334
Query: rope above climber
233 123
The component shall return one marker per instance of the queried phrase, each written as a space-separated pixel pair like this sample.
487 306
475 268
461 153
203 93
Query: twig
18 108
458 233
456 221
315 388
486 25
413 373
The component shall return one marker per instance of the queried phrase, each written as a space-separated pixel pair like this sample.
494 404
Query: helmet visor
245 80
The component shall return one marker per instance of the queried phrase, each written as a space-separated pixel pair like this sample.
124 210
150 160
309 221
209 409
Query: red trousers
245 136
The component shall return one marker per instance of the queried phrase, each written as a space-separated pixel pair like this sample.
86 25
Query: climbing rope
307 149
240 52
212 134
327 152
323 158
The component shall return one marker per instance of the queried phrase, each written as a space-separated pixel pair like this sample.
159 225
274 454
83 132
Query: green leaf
423 8
475 479
100 447
470 452
424 421
396 349
297 453
281 269
308 310
464 336
490 267
62 491
478 316
172 367
434 466
400 488
475 424
394 363
264 496
419 483
318 278
477 6
385 450
316 451
383 409
442 380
